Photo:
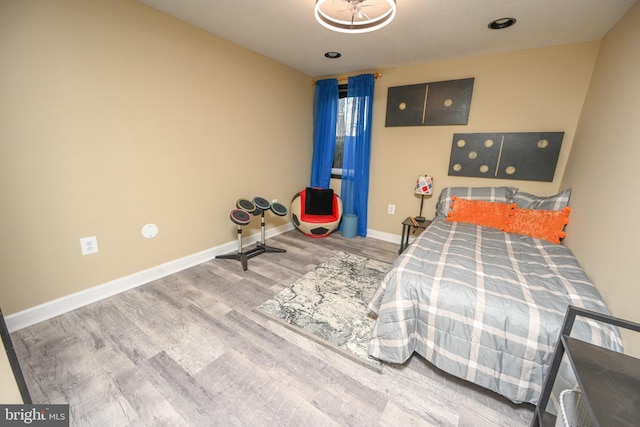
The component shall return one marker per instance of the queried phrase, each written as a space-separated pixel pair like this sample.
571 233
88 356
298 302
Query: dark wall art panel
405 105
531 156
430 104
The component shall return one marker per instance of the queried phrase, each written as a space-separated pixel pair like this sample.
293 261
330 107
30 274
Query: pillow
318 201
488 194
479 212
539 224
551 203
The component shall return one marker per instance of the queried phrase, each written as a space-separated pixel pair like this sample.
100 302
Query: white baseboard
50 309
62 305
381 235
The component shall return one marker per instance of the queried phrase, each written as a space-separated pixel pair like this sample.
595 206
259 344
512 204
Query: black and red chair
316 211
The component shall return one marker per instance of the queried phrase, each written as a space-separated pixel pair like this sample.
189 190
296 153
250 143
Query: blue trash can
349 225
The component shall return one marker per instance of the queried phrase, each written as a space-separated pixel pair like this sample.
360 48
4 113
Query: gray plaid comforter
485 306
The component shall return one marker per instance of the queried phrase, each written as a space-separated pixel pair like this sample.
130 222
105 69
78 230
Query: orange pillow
480 212
539 224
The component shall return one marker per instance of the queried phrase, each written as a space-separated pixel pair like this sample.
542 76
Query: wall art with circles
529 156
430 104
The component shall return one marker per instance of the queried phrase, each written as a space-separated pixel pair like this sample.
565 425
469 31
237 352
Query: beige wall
603 171
527 91
114 115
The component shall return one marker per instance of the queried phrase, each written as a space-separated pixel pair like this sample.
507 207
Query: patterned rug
329 305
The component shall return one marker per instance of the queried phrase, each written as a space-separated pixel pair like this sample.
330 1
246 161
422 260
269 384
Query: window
343 104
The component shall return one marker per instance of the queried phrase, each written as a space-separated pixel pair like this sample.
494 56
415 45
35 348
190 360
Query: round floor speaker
240 216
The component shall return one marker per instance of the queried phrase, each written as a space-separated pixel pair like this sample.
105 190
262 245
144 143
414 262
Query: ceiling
423 30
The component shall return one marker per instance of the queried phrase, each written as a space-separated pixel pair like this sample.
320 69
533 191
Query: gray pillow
550 203
488 194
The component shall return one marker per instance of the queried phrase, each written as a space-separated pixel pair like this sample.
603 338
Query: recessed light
502 23
333 55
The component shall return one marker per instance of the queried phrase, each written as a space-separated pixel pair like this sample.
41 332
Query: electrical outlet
89 245
391 210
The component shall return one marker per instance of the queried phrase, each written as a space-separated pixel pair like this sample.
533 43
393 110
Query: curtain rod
345 78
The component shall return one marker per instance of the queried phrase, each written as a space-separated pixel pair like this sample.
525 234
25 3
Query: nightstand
408 227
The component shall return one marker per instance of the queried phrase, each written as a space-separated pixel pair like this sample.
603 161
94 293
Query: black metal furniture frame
13 361
609 380
407 227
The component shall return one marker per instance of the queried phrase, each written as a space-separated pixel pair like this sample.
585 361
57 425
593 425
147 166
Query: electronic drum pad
246 205
240 216
262 204
278 208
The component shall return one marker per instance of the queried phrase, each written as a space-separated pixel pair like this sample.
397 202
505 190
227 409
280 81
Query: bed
484 304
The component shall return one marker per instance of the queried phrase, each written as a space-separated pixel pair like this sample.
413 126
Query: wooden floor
189 350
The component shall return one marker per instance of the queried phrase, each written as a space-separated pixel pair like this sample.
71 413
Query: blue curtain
325 111
357 149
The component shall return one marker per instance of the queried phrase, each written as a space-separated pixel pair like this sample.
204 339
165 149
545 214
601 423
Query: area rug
329 305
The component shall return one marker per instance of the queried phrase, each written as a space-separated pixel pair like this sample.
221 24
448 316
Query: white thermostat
150 231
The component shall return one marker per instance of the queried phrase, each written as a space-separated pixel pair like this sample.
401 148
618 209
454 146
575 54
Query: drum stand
260 248
241 256
261 244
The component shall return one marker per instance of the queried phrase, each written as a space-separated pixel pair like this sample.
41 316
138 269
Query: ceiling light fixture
502 23
333 55
355 16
